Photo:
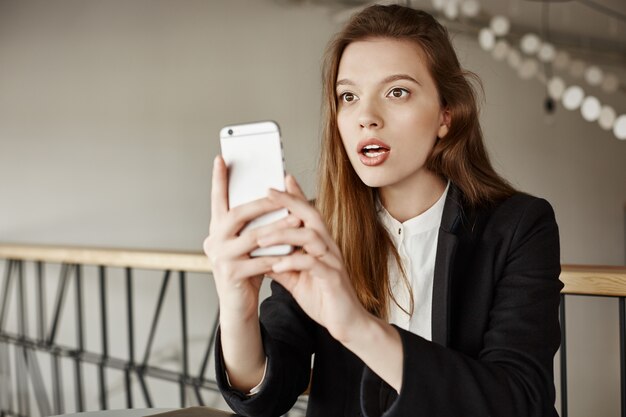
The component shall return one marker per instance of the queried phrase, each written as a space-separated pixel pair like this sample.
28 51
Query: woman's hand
316 276
237 276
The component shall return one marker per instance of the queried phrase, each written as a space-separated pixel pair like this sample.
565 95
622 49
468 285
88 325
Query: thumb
292 186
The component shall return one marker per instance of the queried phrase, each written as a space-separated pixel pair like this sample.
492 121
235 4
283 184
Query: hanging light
561 60
590 109
594 75
530 44
556 88
451 9
514 59
573 97
610 84
500 25
619 128
528 69
470 8
439 4
607 117
546 52
486 39
500 50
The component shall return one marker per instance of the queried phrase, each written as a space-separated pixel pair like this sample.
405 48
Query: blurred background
110 113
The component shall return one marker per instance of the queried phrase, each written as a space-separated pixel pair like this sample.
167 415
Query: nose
370 117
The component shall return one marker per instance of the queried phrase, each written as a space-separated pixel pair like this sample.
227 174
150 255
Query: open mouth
372 151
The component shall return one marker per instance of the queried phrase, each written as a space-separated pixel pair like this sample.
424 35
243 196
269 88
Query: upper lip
371 141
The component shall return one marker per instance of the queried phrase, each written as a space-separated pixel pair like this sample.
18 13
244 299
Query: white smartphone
253 153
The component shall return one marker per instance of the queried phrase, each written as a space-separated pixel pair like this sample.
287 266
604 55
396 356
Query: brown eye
347 97
398 93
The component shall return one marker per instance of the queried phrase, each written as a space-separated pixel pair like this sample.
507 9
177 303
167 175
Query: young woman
426 285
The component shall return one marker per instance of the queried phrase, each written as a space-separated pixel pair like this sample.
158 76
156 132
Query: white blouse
416 242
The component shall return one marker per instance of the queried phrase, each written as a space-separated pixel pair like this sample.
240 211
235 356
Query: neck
413 196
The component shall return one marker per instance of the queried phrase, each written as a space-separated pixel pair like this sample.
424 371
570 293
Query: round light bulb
439 4
590 109
500 25
594 75
577 68
561 60
619 128
451 10
610 84
573 97
607 117
470 8
514 59
556 88
530 43
528 69
486 39
546 52
500 50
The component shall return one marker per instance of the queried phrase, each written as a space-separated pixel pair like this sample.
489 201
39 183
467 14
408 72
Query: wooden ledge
578 279
594 280
123 258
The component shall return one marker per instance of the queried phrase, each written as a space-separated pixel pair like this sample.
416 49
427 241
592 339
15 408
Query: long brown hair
346 204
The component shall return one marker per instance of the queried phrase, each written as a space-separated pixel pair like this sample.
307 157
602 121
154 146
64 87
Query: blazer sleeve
513 373
287 335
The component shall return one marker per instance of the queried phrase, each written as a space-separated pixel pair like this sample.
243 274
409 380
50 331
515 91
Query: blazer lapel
444 265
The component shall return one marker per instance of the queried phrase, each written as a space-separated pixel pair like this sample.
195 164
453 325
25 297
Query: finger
247 268
293 187
306 238
245 243
287 279
310 216
239 216
299 262
219 189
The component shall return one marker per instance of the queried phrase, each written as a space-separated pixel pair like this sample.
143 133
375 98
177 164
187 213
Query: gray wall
109 113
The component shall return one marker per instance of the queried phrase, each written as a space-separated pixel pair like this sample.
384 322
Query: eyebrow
389 79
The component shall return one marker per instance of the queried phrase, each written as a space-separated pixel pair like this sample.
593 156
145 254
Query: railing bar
22 301
41 396
80 336
563 357
6 361
5 293
199 398
144 389
20 383
78 385
210 346
156 316
104 403
622 352
57 383
183 316
103 312
183 395
41 301
65 272
129 309
127 384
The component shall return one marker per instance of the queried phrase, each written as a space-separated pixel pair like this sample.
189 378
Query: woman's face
388 112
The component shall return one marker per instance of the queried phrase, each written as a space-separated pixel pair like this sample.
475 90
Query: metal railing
602 281
24 383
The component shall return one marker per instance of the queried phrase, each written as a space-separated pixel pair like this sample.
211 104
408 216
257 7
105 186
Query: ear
444 125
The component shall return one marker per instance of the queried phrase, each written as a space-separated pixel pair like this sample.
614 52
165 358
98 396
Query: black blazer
495 330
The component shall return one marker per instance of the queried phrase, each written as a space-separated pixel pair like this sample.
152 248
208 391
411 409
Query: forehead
371 59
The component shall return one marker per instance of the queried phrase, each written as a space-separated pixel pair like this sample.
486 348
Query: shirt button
399 230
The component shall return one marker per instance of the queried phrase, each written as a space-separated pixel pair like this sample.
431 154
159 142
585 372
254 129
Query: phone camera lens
230 131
